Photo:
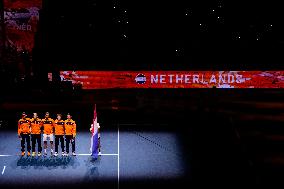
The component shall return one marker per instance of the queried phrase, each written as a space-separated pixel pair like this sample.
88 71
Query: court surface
126 155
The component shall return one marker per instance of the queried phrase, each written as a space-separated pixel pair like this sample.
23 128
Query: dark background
159 35
231 137
162 35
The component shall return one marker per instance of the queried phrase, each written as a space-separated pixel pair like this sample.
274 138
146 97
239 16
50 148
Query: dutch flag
95 137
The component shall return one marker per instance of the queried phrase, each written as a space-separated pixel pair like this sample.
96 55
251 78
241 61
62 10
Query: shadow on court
52 162
92 173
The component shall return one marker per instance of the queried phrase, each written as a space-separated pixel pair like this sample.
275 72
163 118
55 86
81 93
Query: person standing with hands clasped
48 130
36 129
70 134
24 131
59 134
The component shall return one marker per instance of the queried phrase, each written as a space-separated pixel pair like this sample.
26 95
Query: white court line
3 170
5 155
118 155
101 154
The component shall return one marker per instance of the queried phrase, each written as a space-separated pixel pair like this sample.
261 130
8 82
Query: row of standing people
32 129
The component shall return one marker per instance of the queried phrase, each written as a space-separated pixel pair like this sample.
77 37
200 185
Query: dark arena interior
149 68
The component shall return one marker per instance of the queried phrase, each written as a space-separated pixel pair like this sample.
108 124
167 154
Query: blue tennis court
126 155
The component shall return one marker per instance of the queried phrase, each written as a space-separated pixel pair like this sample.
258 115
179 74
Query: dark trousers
36 138
57 139
99 143
25 138
69 138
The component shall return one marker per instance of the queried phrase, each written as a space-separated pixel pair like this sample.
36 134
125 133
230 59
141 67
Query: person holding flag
99 137
95 140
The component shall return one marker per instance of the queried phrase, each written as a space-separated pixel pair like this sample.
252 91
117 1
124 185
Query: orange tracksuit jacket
36 125
48 126
24 126
59 126
70 127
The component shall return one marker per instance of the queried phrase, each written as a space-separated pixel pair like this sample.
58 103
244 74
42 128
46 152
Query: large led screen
174 79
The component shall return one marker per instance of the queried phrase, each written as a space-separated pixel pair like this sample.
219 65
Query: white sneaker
55 154
39 154
100 153
74 154
63 153
45 154
66 154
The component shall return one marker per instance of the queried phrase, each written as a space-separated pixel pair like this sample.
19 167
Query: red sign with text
175 79
21 23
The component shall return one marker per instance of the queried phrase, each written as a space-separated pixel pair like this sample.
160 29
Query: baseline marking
101 154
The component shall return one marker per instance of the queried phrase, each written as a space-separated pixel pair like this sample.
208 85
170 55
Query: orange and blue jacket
70 127
36 126
48 126
24 126
59 127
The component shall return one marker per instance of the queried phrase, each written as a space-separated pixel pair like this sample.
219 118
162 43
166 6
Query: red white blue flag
95 138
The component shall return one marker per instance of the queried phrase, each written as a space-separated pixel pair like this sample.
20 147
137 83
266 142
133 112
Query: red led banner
175 79
18 4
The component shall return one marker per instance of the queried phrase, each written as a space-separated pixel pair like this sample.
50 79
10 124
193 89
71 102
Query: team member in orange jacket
36 128
70 134
24 130
59 126
48 130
